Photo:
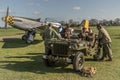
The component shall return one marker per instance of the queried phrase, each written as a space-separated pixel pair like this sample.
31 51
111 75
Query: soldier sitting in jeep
67 32
87 36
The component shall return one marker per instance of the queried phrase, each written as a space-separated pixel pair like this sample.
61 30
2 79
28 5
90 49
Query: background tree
93 22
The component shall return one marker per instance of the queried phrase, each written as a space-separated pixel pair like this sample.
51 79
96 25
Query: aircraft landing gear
24 37
29 36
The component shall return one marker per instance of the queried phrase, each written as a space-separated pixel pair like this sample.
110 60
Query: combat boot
110 59
96 57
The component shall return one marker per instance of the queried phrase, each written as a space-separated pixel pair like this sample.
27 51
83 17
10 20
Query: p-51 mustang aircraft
30 26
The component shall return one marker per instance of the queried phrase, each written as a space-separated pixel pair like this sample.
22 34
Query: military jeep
67 51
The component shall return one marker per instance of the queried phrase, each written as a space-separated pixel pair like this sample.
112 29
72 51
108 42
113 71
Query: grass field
10 31
19 61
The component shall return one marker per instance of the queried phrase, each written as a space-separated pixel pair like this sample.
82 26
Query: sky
62 9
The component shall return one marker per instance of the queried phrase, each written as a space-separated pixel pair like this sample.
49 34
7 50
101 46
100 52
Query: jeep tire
78 61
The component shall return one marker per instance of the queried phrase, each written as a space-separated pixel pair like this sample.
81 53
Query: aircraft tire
24 37
28 41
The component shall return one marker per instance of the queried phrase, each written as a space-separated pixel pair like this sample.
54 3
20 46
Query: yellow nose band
9 20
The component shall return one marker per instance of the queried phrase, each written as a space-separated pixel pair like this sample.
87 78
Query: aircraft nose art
9 20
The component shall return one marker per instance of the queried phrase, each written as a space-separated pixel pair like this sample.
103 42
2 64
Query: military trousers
107 52
46 47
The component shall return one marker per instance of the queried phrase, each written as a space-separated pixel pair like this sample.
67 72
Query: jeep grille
60 49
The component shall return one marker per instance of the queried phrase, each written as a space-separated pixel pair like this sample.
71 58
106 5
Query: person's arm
42 34
55 34
100 35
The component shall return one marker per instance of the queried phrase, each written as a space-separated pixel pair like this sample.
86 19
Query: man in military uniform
83 34
49 34
67 32
104 40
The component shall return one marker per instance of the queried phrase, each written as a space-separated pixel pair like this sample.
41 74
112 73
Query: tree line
93 22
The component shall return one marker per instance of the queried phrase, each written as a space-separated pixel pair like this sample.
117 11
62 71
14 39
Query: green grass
19 61
10 31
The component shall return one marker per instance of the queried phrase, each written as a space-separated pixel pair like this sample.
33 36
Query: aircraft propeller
7 13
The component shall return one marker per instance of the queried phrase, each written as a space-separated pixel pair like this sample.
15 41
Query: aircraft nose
8 19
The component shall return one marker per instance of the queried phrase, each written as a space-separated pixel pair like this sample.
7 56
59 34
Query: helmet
49 24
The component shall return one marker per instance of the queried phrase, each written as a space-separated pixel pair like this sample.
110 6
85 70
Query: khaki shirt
103 36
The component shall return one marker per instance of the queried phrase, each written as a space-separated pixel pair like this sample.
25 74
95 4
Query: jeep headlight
51 45
70 47
81 44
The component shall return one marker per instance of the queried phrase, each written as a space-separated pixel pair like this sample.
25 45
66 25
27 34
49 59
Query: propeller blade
5 24
7 13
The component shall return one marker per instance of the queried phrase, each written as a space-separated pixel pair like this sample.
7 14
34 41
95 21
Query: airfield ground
20 61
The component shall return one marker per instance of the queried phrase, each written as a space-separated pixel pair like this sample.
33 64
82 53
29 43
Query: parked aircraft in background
29 25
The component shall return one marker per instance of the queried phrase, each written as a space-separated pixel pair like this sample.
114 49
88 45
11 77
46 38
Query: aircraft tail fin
85 24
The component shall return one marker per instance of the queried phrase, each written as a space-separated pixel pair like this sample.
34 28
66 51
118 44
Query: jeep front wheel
78 61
